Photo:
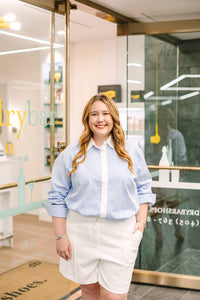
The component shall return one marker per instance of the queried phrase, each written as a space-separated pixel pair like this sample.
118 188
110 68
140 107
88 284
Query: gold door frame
60 7
127 26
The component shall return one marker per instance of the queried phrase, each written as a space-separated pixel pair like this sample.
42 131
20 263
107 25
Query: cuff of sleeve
56 211
147 198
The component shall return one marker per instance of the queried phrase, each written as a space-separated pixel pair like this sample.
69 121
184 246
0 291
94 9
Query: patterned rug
37 280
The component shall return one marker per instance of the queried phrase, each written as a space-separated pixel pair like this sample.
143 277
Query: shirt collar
108 142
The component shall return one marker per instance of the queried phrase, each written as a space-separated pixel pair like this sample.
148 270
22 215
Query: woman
99 198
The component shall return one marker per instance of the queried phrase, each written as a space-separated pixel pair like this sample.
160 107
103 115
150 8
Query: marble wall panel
187 111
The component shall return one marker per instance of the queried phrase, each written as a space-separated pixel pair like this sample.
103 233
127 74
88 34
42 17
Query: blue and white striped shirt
102 185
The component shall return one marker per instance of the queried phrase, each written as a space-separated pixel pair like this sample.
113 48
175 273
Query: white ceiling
154 10
85 27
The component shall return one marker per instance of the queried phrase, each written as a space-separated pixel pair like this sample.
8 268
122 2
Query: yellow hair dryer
9 148
155 139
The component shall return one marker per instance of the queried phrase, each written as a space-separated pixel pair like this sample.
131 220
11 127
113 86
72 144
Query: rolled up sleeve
60 187
143 180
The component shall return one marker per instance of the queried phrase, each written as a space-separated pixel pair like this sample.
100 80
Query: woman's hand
139 226
141 217
63 248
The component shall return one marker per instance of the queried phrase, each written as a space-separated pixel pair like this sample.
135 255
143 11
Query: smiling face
100 122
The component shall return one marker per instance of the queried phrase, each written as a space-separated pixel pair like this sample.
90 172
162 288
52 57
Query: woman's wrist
142 222
58 237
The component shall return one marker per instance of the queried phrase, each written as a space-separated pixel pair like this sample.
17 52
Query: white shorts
103 251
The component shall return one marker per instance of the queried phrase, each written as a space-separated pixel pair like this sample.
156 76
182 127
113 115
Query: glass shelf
48 103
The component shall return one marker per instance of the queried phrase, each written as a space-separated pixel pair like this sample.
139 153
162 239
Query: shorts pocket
131 247
138 235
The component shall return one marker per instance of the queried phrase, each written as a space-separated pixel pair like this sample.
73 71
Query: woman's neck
100 140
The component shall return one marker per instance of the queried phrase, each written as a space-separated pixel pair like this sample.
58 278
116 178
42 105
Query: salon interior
54 56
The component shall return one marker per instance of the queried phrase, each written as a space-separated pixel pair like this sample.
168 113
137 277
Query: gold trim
184 168
46 4
150 167
102 12
168 279
67 74
14 184
159 27
52 97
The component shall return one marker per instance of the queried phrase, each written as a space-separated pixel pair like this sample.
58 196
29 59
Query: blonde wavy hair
117 133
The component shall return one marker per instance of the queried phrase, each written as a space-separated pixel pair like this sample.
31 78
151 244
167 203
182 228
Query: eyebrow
95 111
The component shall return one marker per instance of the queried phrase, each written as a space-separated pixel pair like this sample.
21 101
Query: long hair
116 132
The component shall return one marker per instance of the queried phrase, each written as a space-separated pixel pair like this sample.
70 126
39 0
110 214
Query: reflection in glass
31 186
172 237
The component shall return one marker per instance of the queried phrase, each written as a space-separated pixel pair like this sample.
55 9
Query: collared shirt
102 185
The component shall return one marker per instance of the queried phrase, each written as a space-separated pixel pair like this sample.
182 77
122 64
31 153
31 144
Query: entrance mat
37 280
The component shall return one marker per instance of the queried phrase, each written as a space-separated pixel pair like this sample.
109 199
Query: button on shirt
102 185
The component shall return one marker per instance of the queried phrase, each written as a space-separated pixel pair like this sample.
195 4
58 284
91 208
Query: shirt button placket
104 182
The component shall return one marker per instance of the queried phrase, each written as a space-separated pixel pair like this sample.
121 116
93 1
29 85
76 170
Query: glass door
32 93
163 83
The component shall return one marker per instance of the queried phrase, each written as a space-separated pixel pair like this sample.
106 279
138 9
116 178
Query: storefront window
25 119
169 93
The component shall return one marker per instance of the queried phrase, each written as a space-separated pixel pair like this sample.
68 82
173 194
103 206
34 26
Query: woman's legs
106 295
96 292
90 291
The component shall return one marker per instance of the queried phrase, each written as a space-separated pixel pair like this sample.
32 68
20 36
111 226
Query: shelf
55 83
48 103
56 126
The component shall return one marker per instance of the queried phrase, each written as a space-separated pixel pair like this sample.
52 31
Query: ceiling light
56 45
8 18
189 95
134 81
169 98
29 38
169 84
29 49
61 32
23 50
134 65
163 98
9 22
24 37
164 87
14 25
147 95
184 89
166 102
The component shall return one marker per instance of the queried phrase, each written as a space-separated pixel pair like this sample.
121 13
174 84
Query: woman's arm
141 217
63 246
145 196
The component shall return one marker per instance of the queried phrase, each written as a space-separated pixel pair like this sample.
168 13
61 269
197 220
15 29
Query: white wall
22 73
92 64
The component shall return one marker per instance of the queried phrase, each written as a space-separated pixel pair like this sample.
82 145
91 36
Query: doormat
37 280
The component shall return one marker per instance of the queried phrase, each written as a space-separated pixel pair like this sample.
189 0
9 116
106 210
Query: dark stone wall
166 242
163 63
